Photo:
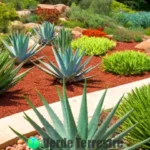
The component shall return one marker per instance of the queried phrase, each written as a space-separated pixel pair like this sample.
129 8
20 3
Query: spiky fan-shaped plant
69 66
70 131
19 47
8 72
46 32
63 40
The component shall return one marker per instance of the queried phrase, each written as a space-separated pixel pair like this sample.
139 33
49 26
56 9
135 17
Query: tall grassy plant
83 130
9 76
139 100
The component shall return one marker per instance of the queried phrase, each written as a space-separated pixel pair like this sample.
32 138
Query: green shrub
73 24
92 20
93 45
7 13
147 31
127 63
3 37
139 101
128 35
123 35
30 18
109 30
120 7
23 4
101 6
139 19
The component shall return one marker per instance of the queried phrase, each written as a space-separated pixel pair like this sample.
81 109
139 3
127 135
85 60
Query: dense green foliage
139 101
127 63
127 35
73 24
147 31
139 19
7 13
22 4
8 72
120 7
92 20
93 45
83 130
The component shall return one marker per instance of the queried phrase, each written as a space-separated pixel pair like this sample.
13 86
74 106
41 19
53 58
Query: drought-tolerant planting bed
13 101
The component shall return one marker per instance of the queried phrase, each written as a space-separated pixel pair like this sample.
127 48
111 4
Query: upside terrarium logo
33 143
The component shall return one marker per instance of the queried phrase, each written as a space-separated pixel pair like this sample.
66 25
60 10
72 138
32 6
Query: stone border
7 137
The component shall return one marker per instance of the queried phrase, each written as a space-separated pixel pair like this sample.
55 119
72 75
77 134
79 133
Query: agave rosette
19 47
69 65
83 130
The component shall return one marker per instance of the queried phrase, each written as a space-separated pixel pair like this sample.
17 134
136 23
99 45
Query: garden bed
13 101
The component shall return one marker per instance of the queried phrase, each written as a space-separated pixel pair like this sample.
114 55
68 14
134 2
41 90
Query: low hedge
126 63
93 45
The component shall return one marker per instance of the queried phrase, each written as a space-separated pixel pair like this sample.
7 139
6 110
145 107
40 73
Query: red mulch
13 101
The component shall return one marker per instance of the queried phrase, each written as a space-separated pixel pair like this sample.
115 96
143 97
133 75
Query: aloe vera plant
19 47
69 130
63 40
8 72
46 32
69 65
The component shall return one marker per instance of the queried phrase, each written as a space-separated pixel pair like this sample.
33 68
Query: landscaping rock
20 141
62 19
23 13
60 7
109 36
145 45
31 25
79 29
76 34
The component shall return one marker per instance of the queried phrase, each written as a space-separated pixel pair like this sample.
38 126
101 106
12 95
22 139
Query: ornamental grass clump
139 100
126 63
8 72
93 45
68 130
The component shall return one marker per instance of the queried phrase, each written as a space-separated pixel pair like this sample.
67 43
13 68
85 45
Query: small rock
62 19
144 45
20 148
23 13
20 141
76 34
30 25
79 29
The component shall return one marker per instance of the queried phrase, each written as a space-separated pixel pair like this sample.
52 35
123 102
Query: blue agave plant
46 32
69 65
69 130
18 47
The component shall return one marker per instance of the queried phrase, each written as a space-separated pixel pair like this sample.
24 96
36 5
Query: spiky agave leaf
63 40
84 130
18 47
8 72
69 66
46 32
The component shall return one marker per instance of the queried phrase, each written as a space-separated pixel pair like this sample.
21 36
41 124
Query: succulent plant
63 40
83 130
8 72
19 47
69 66
46 32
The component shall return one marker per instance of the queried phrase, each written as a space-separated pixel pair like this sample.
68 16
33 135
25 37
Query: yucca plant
8 72
83 130
63 40
69 66
18 47
46 32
